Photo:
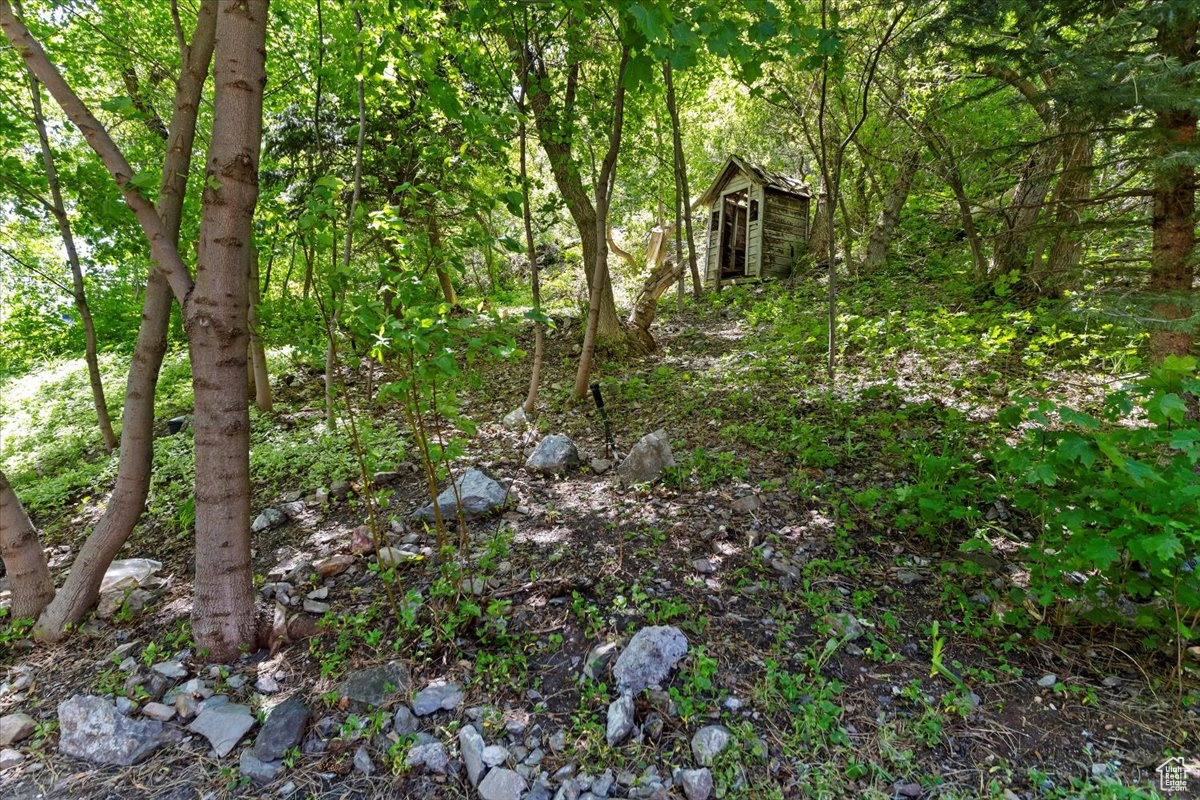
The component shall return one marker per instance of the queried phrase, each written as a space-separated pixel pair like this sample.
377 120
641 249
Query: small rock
554 455
404 722
597 660
91 728
269 518
747 504
361 541
515 420
620 720
647 460
845 625
494 755
910 790
315 606
380 687
333 565
386 478
186 706
708 742
363 762
15 727
502 784
470 747
266 684
340 490
158 711
437 696
703 566
223 725
170 669
601 465
293 509
283 729
394 556
259 772
557 741
431 756
10 758
697 783
1047 681
649 658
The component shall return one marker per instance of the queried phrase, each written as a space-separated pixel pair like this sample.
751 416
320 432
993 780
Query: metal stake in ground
610 445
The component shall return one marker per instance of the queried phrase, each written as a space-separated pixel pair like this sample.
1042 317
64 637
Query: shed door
734 221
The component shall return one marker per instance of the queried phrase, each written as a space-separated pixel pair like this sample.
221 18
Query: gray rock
15 727
379 687
480 496
386 478
404 722
91 728
502 784
747 504
340 490
697 783
515 420
649 658
601 465
259 772
170 669
557 741
470 747
363 762
223 725
10 758
494 755
293 509
158 711
1047 681
269 518
554 455
437 696
431 756
315 606
266 684
283 729
603 785
703 566
597 660
620 720
845 625
648 459
708 742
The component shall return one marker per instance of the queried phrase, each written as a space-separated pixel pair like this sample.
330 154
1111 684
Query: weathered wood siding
784 233
713 251
754 234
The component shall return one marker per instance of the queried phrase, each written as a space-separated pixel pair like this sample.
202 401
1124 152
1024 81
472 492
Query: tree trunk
1020 218
223 614
1173 227
889 215
1070 194
258 355
681 177
28 576
81 305
435 258
124 507
535 283
821 233
604 188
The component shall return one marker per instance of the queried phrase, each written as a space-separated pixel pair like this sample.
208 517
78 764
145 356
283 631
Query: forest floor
815 622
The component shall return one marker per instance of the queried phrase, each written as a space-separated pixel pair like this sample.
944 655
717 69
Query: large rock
15 727
708 742
648 459
223 725
437 696
697 783
649 658
554 455
620 720
470 747
480 496
379 687
91 728
502 784
283 729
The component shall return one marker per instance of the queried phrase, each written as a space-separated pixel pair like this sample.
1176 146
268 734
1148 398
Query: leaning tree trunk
223 616
80 297
1070 195
28 576
1020 218
889 215
124 507
681 177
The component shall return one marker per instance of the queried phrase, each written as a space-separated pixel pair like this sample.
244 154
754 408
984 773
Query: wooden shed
758 223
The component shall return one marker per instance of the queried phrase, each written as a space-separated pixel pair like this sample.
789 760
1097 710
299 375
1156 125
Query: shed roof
773 180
